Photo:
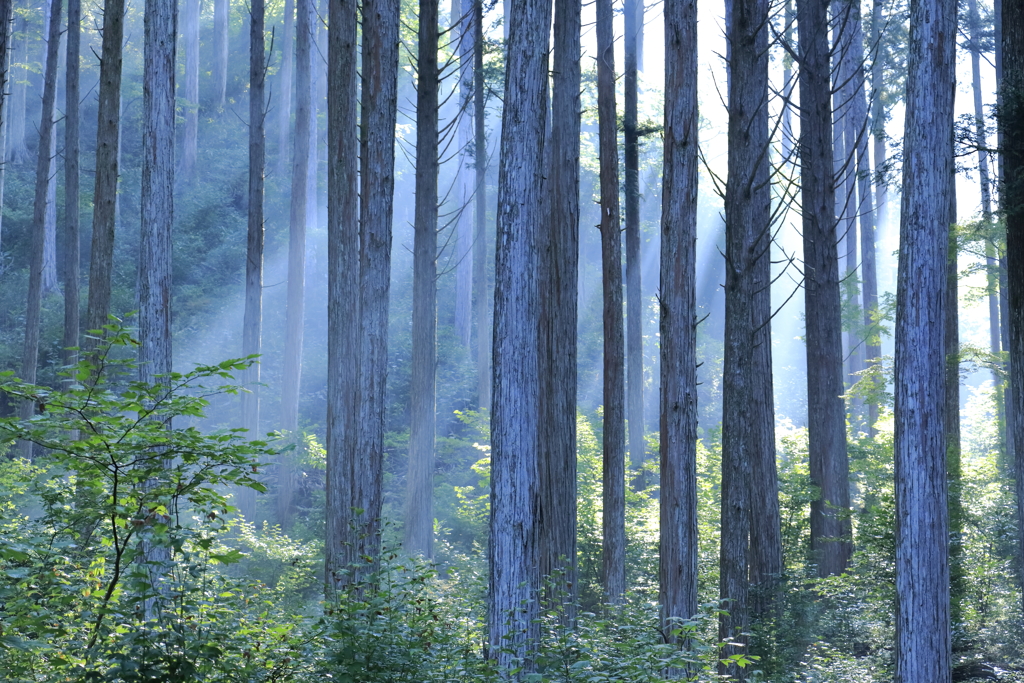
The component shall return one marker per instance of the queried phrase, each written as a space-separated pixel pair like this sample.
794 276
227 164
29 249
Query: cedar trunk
678 528
419 511
72 209
634 23
512 608
826 418
922 516
481 304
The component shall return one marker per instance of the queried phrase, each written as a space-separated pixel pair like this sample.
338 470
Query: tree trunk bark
482 309
7 26
252 324
878 63
17 150
284 99
614 440
343 283
826 418
512 609
377 182
298 224
419 511
678 529
107 143
221 11
559 271
72 207
1012 128
634 26
44 164
190 146
922 516
462 41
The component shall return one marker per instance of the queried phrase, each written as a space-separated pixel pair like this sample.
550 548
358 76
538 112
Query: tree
108 140
6 24
343 279
951 430
377 183
922 541
190 145
284 105
252 323
558 249
1011 119
678 529
419 511
614 467
301 198
512 609
481 308
16 150
634 27
826 418
878 113
221 10
44 164
747 409
72 207
462 42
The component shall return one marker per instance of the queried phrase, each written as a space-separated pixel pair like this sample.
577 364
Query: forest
512 340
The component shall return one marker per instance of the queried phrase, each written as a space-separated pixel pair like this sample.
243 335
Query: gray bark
190 146
107 158
613 515
462 41
1012 168
252 323
17 150
829 464
878 113
377 180
634 26
7 26
284 96
44 164
678 528
512 608
343 280
480 287
559 269
419 511
301 200
72 207
747 314
922 520
221 10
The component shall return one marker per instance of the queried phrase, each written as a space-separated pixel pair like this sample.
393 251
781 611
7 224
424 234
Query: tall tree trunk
284 98
678 529
614 470
157 203
829 464
634 23
343 281
419 511
44 164
190 146
957 578
252 323
462 41
1012 128
922 516
51 283
377 181
788 141
72 208
17 150
858 132
221 12
108 140
559 271
298 224
747 331
878 114
481 307
512 608
7 26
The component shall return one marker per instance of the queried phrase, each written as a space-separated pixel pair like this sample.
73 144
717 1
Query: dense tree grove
533 340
